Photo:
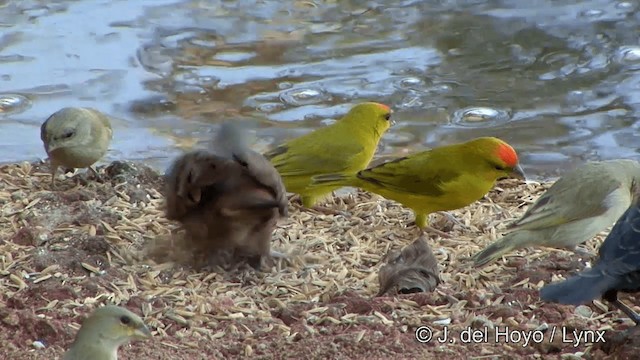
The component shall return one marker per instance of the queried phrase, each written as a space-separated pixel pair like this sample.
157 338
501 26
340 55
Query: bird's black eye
499 168
387 116
67 133
124 319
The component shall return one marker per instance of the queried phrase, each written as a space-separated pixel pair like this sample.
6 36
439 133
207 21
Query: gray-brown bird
574 209
226 201
75 138
104 331
414 269
617 269
232 142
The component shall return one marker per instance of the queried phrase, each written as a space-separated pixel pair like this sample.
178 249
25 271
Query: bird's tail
580 289
512 241
231 139
332 180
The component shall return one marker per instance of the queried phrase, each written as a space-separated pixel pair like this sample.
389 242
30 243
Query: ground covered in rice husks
64 252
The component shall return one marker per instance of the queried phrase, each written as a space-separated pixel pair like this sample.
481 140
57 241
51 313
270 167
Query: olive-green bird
578 206
75 138
345 147
444 178
104 331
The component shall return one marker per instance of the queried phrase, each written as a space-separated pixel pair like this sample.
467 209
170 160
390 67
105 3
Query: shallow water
559 80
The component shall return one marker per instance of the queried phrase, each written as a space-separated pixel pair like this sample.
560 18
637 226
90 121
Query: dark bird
414 269
227 198
616 270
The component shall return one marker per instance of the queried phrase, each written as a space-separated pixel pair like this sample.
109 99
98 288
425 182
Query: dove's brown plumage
226 201
75 138
573 210
104 331
414 269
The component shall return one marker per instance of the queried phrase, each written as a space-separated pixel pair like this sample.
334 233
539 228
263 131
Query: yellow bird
345 147
444 178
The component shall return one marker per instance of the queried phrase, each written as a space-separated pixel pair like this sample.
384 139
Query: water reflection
558 80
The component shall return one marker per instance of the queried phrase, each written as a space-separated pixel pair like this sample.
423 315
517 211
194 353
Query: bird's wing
569 199
411 175
313 160
43 131
264 173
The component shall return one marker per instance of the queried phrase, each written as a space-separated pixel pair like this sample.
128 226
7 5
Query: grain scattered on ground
64 252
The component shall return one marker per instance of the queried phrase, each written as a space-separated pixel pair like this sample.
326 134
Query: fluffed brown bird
233 143
75 138
414 269
226 202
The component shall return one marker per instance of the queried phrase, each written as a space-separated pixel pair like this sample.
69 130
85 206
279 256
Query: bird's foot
328 211
99 178
454 220
440 233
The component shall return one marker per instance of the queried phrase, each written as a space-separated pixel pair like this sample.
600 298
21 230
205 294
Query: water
559 80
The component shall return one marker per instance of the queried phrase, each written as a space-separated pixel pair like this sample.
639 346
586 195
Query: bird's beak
518 173
142 332
392 121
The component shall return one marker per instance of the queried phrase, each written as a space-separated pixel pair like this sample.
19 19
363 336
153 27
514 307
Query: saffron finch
345 147
444 178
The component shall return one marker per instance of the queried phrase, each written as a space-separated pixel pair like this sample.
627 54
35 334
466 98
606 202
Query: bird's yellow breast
456 194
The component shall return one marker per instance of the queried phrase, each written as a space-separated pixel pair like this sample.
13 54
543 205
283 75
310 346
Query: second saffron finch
344 147
440 179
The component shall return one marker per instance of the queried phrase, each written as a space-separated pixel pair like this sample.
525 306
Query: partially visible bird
104 331
230 201
75 138
616 270
413 269
444 178
578 206
344 147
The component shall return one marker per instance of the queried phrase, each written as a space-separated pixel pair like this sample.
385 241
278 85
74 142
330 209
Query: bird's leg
422 222
628 311
54 169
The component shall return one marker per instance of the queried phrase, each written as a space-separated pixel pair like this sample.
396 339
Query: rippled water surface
558 79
